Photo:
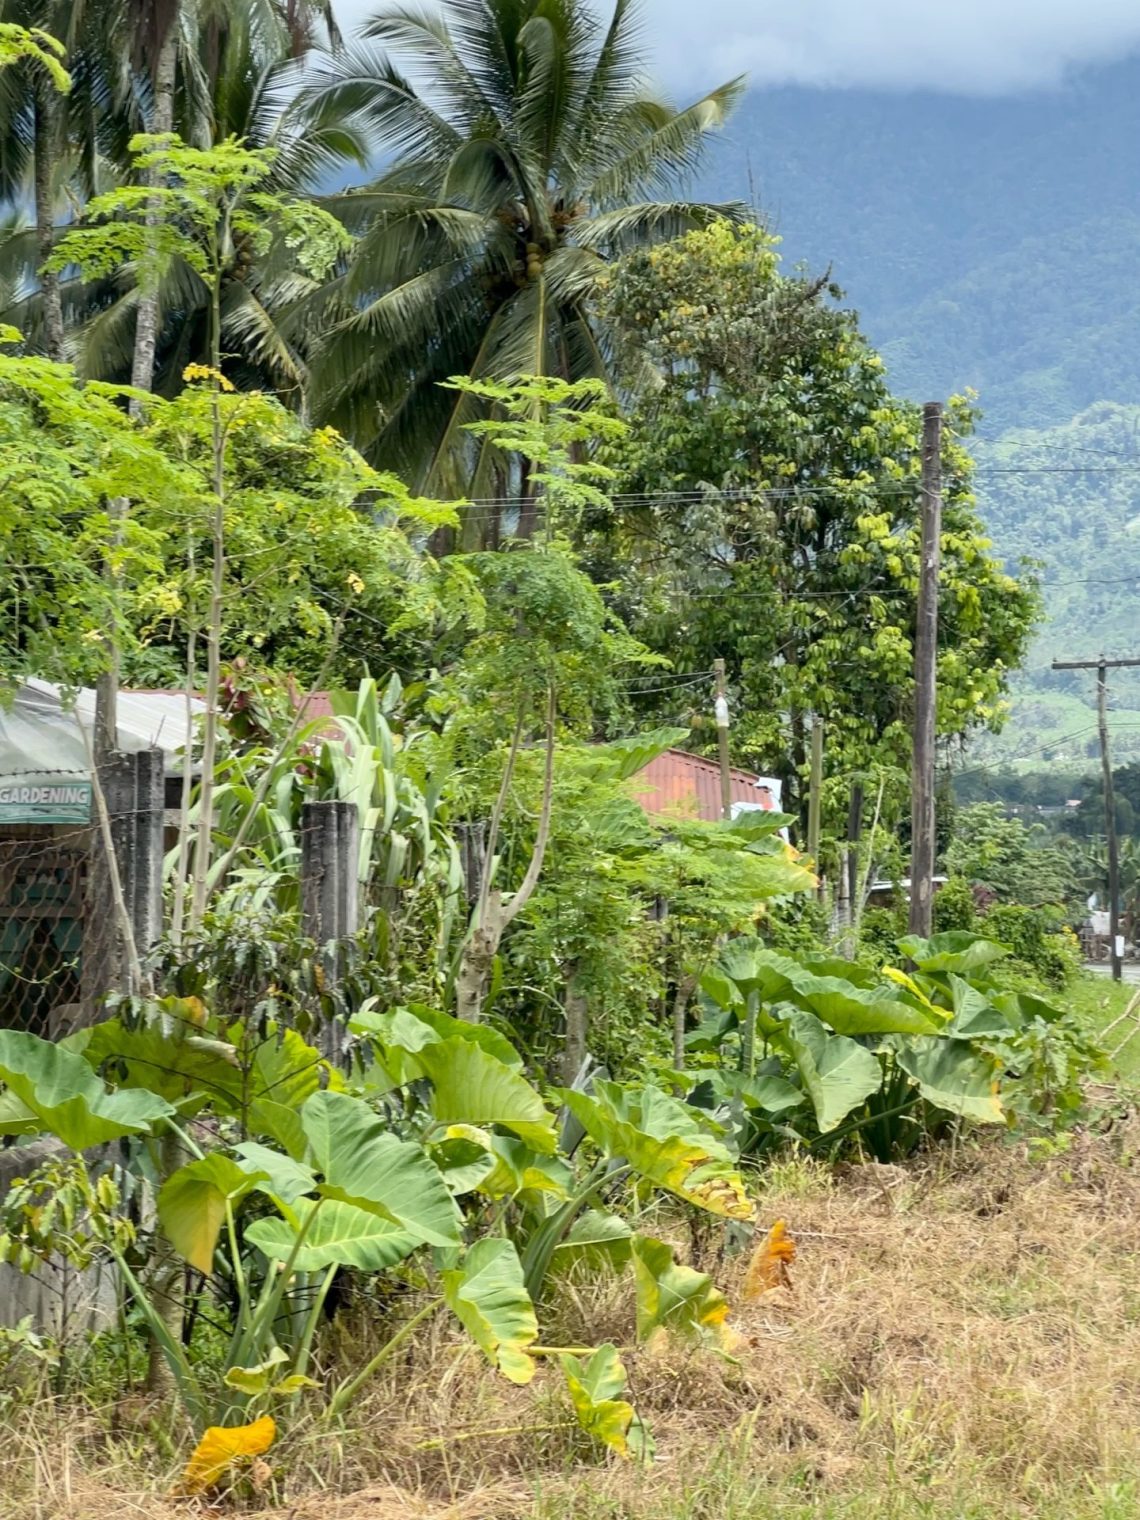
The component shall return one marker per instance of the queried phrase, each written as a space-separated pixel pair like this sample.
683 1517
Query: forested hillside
1069 497
988 243
993 244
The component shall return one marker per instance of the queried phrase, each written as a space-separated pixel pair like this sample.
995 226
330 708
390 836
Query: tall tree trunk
493 916
200 888
162 120
46 117
577 1026
686 986
142 377
528 503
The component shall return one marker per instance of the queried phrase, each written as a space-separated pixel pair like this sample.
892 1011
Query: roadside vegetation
618 1164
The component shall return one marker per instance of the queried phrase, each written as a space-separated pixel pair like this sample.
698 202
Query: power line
747 492
1029 754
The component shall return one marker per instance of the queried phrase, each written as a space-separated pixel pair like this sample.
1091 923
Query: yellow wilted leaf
719 1194
903 979
194 372
221 1448
185 1010
768 1268
195 1010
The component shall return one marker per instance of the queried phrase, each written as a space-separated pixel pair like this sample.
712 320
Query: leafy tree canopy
67 449
771 509
314 538
1017 862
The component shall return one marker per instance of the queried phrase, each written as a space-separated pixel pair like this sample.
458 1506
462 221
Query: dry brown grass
963 1339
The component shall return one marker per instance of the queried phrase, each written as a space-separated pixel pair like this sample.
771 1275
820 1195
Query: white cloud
970 46
963 46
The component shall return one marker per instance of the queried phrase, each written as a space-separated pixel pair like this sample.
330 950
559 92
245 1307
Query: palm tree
519 170
50 146
235 76
243 78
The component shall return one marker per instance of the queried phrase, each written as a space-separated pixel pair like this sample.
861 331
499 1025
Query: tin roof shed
679 783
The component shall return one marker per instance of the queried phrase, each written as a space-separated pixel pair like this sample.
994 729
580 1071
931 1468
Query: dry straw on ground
960 1339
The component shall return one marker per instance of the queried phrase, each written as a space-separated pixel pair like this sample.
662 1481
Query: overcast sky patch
985 47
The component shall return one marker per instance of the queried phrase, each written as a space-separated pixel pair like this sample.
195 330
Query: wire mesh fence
46 930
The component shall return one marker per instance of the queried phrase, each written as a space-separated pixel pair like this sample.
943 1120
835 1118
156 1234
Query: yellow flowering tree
773 483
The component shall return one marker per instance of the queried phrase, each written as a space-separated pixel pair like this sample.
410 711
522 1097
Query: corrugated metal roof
689 785
39 733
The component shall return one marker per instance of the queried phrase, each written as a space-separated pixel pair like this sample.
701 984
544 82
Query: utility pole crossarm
1094 664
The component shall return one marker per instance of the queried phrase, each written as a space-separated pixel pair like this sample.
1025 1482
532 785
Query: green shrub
954 906
879 934
798 925
1034 941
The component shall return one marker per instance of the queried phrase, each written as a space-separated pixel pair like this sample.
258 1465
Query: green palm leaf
515 171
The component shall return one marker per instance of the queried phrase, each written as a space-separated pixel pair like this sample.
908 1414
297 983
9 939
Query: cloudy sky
971 46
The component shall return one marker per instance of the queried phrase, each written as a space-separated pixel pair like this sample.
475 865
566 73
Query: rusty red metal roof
320 705
680 783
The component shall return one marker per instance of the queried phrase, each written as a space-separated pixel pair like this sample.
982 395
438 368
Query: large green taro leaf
410 1030
847 1008
174 1066
488 1295
284 1179
975 1016
363 1164
953 1075
472 1087
839 1074
59 1090
340 1235
595 1239
957 950
662 1140
192 1204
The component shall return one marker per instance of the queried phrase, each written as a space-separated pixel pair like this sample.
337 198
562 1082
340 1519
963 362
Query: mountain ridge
991 251
992 244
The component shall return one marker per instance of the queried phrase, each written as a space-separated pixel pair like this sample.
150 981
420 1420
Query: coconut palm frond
522 162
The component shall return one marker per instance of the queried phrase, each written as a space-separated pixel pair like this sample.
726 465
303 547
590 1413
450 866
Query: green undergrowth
1099 1002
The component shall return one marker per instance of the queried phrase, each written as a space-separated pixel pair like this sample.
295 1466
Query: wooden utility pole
722 740
815 790
854 834
925 679
1102 667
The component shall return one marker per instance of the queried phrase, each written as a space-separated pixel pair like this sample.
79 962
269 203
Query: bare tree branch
534 870
497 817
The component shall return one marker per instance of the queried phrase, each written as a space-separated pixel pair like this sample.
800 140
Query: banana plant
357 755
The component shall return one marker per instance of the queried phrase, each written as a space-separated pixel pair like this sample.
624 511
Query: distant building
677 783
884 894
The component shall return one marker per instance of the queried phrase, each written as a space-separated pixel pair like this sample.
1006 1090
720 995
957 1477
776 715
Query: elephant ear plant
819 1049
435 1157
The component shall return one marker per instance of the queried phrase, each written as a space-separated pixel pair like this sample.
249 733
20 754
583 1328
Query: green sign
45 801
